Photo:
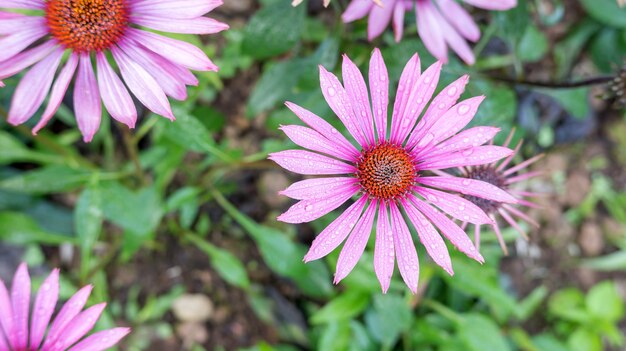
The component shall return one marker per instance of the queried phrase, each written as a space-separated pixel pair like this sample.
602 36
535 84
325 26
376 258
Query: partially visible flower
497 173
67 329
298 2
440 23
389 171
152 66
617 88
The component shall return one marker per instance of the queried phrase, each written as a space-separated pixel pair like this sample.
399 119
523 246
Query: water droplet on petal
331 91
463 109
452 91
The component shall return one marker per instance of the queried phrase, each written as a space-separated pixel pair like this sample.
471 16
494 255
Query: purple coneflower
152 66
498 174
67 329
440 23
388 171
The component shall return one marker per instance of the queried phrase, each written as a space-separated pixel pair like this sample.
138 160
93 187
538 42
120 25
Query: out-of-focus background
175 224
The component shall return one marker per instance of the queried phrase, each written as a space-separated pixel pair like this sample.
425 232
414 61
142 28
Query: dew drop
465 182
463 109
308 207
452 91
426 139
331 91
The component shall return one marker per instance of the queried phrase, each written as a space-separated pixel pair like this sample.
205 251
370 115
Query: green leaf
345 306
273 30
547 342
606 11
568 50
480 333
568 304
276 83
604 302
226 264
584 340
390 317
533 45
52 179
527 307
611 262
18 228
336 336
574 101
88 222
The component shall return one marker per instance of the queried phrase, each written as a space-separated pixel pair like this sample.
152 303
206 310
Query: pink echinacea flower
388 171
152 66
67 329
440 23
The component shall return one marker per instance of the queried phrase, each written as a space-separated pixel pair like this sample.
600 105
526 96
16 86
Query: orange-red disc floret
87 25
386 171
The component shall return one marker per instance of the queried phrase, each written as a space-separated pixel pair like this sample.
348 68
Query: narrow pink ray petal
520 214
521 193
143 85
339 102
493 4
470 157
449 229
422 91
22 4
43 309
310 163
33 88
355 245
512 222
527 203
523 165
440 105
456 42
507 160
379 19
114 94
6 316
79 327
198 25
87 105
509 137
177 51
312 140
3 344
309 210
102 340
15 43
472 137
455 119
174 8
469 187
496 229
409 78
384 251
523 176
379 90
398 21
324 128
20 301
430 238
12 24
58 91
336 232
357 93
25 59
408 263
69 310
318 188
357 10
430 31
455 206
460 19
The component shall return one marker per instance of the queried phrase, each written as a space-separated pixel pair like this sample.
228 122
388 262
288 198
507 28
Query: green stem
443 310
133 154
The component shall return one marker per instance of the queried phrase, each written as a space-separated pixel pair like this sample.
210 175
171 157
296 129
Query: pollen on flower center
488 174
87 25
386 171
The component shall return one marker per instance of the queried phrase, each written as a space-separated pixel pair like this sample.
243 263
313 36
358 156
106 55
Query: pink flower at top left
152 66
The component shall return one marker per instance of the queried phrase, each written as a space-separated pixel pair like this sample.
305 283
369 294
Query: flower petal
408 263
469 187
493 4
311 163
459 19
408 79
473 156
198 25
58 91
25 59
174 8
312 140
317 188
398 21
81 325
455 206
379 19
309 210
384 256
430 30
45 303
357 93
357 10
87 105
379 90
455 119
20 300
355 245
69 310
115 96
15 43
101 340
22 4
6 316
472 137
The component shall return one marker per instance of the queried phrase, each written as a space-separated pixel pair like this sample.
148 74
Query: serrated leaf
273 30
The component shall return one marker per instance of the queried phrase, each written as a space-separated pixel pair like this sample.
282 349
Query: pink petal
58 91
174 50
455 206
469 187
398 21
3 344
420 94
6 316
20 299
472 137
379 89
460 19
379 19
324 128
33 88
79 326
449 229
14 23
15 43
69 310
87 105
25 59
311 163
456 42
384 257
115 96
493 4
198 25
408 79
357 10
45 304
22 4
470 157
143 85
357 93
318 188
309 210
430 31
355 245
174 8
430 238
405 249
339 102
312 140
455 119
101 340
336 232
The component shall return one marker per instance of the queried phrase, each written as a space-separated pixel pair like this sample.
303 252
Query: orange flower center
386 171
87 25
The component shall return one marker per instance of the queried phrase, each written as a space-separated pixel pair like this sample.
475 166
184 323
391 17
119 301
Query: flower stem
554 85
131 150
